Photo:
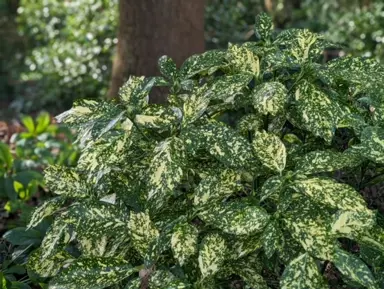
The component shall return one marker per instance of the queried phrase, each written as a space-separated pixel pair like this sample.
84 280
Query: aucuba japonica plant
244 173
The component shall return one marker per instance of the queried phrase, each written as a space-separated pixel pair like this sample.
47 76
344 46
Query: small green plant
249 173
42 143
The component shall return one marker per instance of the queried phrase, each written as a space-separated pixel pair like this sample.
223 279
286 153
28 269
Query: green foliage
42 143
173 196
70 46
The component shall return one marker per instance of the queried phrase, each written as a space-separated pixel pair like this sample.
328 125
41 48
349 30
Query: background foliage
66 47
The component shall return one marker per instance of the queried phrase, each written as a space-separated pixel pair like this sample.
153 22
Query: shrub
242 174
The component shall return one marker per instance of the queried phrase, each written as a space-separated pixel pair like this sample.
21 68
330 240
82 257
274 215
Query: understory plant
248 176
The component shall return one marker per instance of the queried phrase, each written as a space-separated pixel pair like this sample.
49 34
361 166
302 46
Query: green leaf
326 161
22 237
351 224
96 219
46 209
158 117
217 187
332 194
271 188
135 92
164 279
4 283
184 242
212 253
28 123
228 86
56 237
263 26
49 266
223 143
243 60
142 231
236 218
372 144
310 225
269 98
64 181
195 105
302 273
354 268
270 150
6 156
315 112
272 238
42 122
243 245
91 118
102 156
167 67
165 170
249 122
95 273
205 63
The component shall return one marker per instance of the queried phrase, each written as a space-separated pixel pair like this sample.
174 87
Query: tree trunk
149 29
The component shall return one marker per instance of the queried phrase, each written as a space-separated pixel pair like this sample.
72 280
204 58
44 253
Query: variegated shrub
248 172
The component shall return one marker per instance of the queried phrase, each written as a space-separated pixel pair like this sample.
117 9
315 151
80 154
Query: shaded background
55 51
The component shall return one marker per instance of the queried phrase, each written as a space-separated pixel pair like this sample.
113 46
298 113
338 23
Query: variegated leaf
249 269
91 118
236 218
46 209
243 60
212 254
135 93
184 242
227 87
167 67
165 170
133 284
249 122
271 188
272 238
354 268
332 194
310 225
158 117
326 161
56 237
289 250
96 219
302 273
101 157
195 105
65 181
216 187
351 224
205 63
49 266
270 150
142 231
315 112
263 26
164 279
95 273
269 98
242 245
223 143
372 144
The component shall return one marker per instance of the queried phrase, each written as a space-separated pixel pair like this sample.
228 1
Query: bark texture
149 29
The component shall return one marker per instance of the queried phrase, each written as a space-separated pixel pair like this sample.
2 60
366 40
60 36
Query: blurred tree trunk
149 29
